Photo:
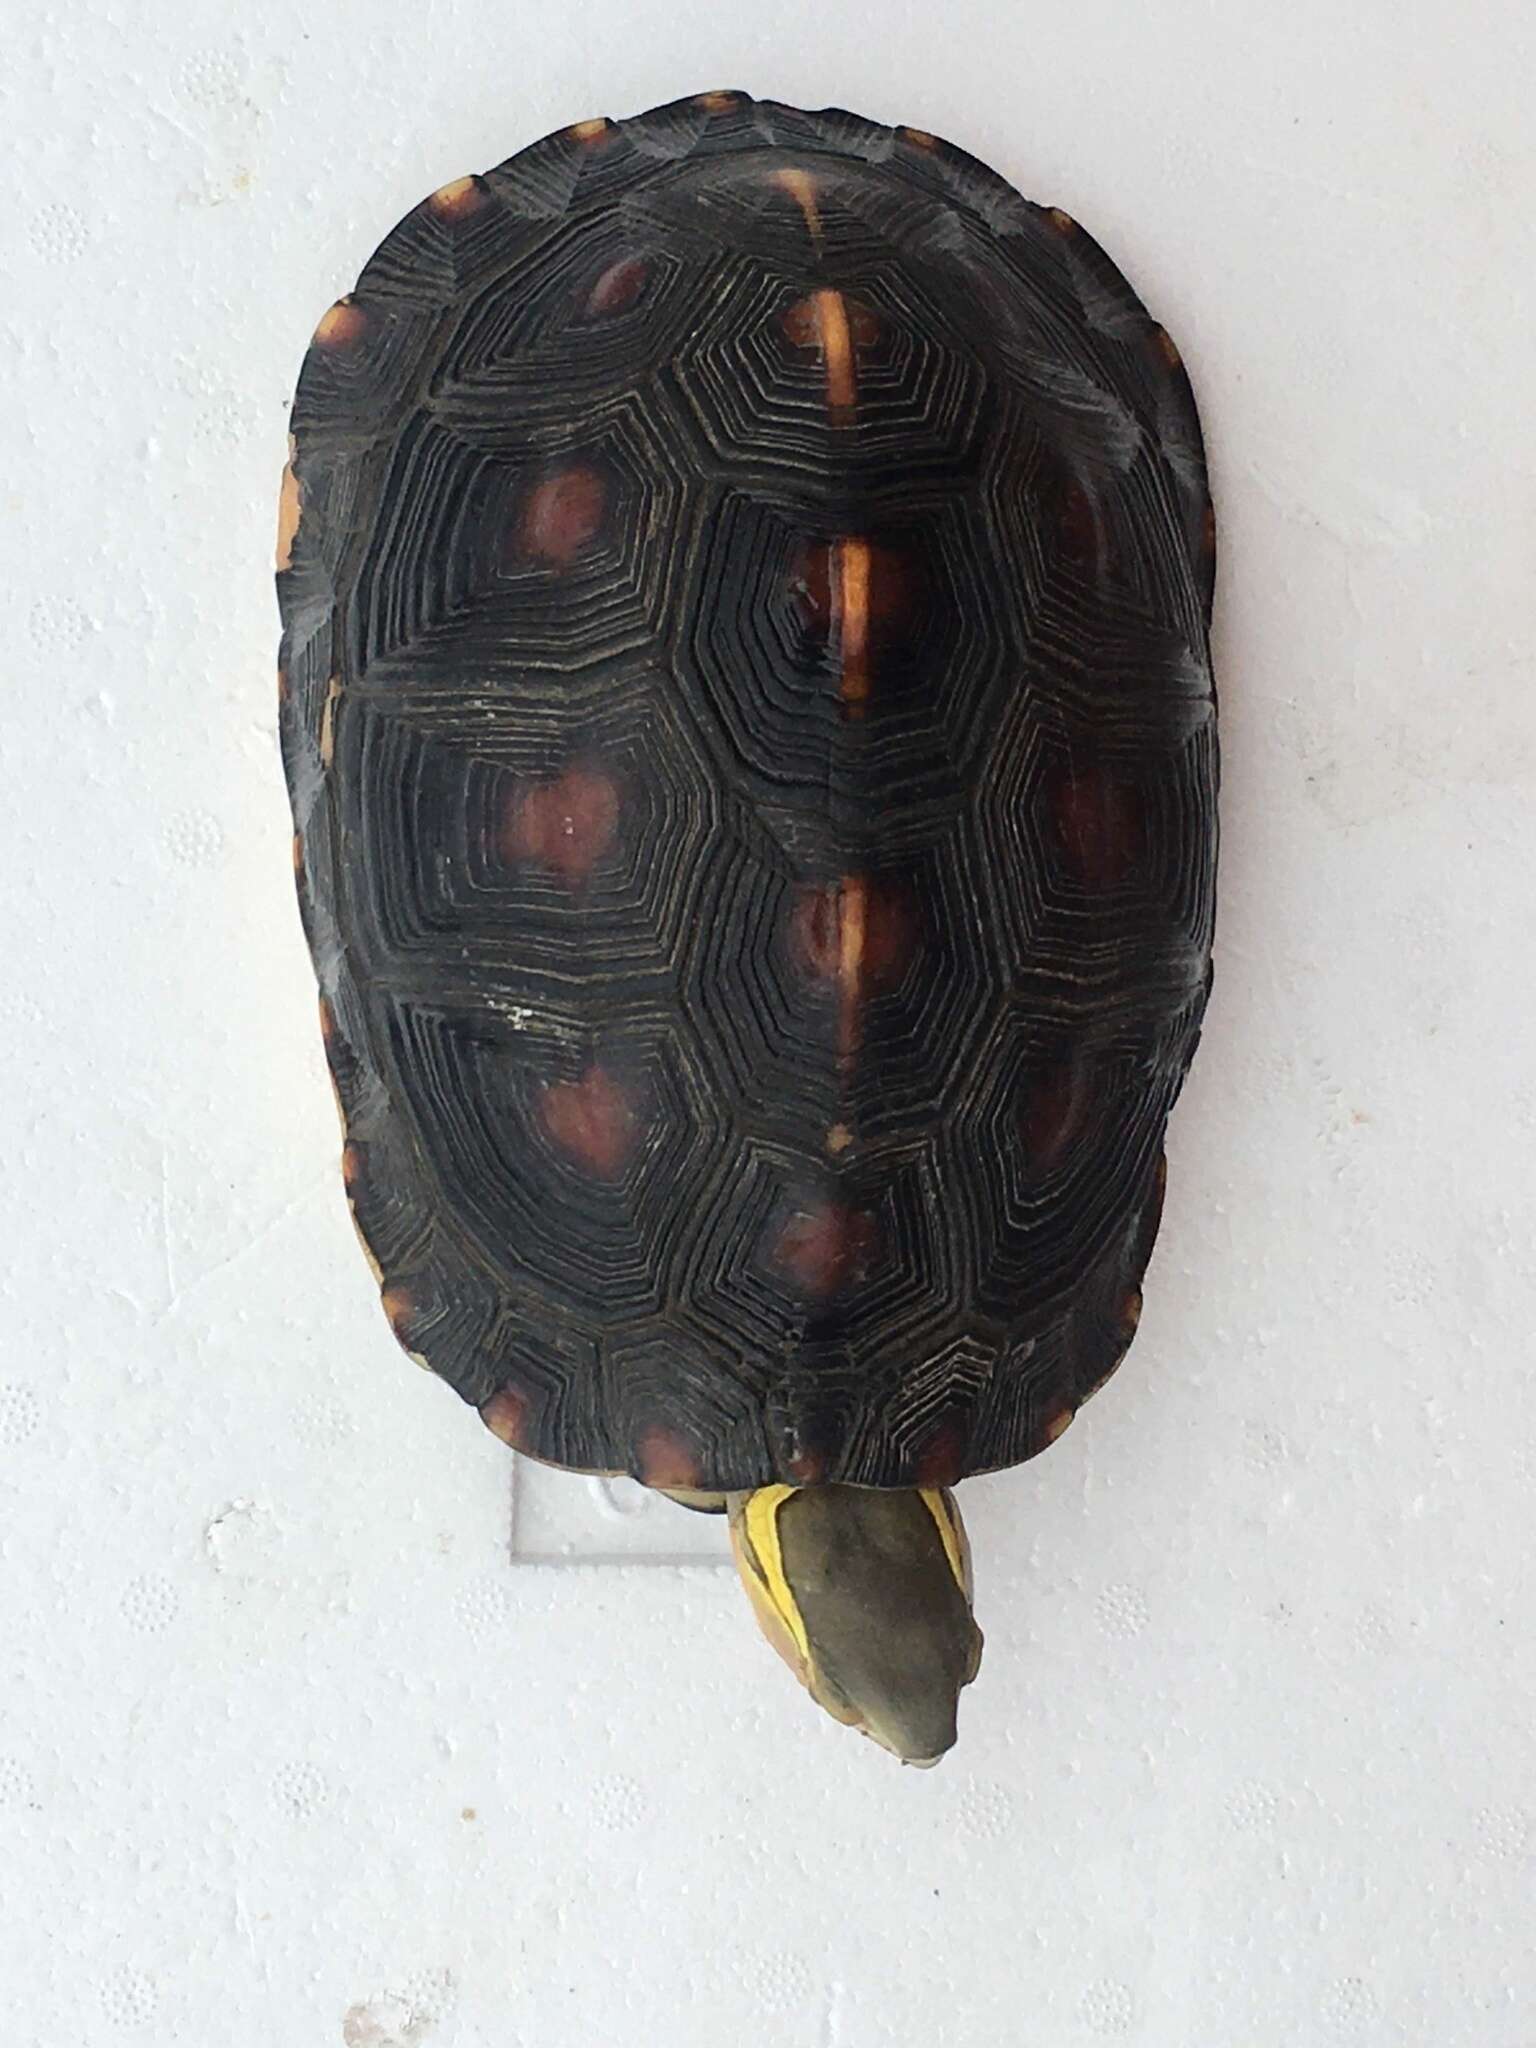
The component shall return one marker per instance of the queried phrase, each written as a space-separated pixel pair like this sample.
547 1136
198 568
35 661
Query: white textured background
290 1753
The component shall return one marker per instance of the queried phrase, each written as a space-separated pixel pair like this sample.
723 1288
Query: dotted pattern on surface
194 839
618 1804
300 1789
1109 2009
20 1412
18 1787
129 1998
57 625
58 233
150 1604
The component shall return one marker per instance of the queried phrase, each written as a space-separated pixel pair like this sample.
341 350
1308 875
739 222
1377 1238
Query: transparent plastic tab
572 1518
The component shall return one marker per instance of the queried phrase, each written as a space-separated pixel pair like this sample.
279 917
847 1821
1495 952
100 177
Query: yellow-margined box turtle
747 706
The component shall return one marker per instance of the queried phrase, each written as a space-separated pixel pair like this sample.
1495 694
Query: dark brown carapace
747 705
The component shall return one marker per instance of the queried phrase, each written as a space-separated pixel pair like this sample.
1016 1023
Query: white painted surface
289 1752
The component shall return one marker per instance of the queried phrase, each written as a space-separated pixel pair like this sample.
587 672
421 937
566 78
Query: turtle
747 707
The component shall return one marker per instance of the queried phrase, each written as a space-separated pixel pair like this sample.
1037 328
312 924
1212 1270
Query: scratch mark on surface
167 1256
832 2022
1348 195
251 1244
1354 510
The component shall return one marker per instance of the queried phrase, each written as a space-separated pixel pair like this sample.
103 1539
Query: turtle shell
747 706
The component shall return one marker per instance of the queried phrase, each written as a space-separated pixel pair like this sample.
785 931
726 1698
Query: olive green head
866 1594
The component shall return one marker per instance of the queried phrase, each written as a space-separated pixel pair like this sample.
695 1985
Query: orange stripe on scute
854 905
837 347
857 934
850 620
801 187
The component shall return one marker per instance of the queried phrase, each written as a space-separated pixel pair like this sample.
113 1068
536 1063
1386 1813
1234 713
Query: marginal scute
459 199
1164 343
341 325
941 1460
1130 1314
1058 1424
664 1458
399 1307
505 1415
804 1465
289 511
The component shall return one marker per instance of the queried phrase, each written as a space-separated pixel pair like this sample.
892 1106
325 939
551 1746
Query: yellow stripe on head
940 1503
757 1533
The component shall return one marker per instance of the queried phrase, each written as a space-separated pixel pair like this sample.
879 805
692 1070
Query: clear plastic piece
572 1518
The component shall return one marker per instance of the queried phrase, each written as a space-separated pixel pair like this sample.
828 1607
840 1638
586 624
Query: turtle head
866 1594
